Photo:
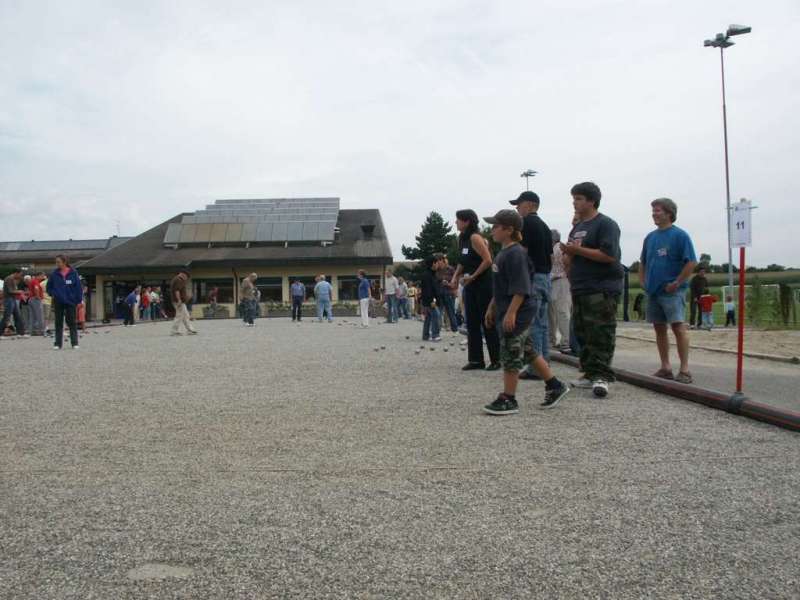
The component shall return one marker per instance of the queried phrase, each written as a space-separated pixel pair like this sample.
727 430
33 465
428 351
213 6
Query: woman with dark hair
64 287
475 264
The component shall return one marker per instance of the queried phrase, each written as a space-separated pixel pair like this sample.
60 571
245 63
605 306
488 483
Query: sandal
664 374
684 377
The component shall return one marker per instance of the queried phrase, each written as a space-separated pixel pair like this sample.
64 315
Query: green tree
435 236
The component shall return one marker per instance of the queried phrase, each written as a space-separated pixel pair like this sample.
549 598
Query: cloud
138 112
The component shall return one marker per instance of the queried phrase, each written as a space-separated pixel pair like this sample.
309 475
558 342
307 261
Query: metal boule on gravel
444 349
383 347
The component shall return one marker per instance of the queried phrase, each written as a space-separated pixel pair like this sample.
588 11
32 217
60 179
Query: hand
489 319
569 248
467 279
671 288
509 322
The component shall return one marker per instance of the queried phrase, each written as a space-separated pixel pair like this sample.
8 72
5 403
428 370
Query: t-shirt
512 271
730 306
589 276
402 290
179 285
699 283
248 289
323 290
706 302
130 300
391 286
10 286
538 240
664 254
298 290
363 289
35 289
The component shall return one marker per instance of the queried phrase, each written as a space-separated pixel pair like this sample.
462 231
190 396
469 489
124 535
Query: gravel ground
295 461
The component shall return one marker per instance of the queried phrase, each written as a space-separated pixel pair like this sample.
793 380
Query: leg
492 337
474 324
599 327
426 324
682 341
435 323
552 322
662 342
59 323
541 288
69 314
8 310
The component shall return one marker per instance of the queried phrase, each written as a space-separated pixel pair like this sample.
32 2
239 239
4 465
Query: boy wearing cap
665 265
512 311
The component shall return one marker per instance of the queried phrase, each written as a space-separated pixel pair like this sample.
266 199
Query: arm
510 320
489 317
593 254
642 281
682 276
482 248
456 275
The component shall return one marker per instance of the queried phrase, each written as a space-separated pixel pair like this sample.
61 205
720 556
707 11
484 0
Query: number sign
741 232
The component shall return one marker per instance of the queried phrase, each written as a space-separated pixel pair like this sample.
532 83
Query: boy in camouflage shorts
512 311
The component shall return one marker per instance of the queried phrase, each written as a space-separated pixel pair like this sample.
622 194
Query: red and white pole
740 323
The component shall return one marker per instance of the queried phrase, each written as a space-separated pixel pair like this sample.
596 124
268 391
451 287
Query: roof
40 251
147 252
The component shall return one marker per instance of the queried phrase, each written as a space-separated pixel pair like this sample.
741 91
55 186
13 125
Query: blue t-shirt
323 290
363 289
130 299
298 289
664 254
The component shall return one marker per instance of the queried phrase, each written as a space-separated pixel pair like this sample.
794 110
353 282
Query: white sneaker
600 388
76 347
27 335
581 383
56 347
436 339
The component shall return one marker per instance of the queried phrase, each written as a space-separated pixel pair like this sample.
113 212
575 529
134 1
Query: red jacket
706 302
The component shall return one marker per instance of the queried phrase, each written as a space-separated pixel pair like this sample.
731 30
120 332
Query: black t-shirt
588 276
536 237
512 276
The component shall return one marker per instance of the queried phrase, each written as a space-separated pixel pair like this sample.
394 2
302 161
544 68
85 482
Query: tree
705 258
435 236
775 268
634 268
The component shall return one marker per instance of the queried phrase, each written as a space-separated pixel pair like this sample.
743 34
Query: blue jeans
540 326
324 306
430 328
708 320
449 307
403 308
249 307
391 308
11 309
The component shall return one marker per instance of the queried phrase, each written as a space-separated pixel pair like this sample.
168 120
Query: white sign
741 232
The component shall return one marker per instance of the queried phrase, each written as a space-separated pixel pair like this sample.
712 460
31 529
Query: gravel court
295 461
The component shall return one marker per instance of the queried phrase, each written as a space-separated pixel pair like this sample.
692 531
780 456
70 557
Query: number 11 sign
741 233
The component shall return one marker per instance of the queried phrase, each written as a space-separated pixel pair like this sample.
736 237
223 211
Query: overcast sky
136 111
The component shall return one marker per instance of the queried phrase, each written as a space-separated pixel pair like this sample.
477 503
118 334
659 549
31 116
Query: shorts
516 351
666 308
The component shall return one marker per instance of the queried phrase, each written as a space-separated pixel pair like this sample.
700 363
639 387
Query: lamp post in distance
527 175
722 41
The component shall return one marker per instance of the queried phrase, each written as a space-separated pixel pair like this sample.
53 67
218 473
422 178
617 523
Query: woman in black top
475 263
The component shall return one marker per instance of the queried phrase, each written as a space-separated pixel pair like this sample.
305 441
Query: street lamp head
738 30
719 41
528 173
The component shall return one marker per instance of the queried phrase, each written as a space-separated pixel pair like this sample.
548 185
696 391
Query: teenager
475 264
511 312
64 287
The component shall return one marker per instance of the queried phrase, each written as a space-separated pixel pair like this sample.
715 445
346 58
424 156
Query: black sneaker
503 405
473 366
495 366
551 397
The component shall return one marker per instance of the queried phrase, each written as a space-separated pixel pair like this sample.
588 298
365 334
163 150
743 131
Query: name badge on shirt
465 251
662 251
494 268
68 281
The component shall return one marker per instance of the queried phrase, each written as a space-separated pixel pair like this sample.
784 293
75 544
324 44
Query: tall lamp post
722 41
527 175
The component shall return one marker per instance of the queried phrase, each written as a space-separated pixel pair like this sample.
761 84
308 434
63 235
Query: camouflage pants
516 351
595 319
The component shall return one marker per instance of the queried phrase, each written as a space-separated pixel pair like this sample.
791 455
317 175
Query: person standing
64 287
538 240
213 299
323 292
180 293
475 264
364 297
706 301
146 304
447 301
298 293
249 299
402 299
665 265
560 305
511 311
595 274
696 287
390 291
130 308
11 296
35 304
730 312
429 292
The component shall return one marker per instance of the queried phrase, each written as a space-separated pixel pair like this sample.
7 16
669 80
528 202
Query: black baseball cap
507 217
525 197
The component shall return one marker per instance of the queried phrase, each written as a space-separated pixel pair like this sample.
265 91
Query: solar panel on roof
203 234
311 231
187 234
264 232
234 233
280 232
173 233
294 231
249 232
218 231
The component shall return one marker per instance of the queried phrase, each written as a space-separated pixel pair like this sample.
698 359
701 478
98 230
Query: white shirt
558 263
391 285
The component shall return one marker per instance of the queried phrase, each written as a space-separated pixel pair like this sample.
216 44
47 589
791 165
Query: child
511 311
706 302
430 290
730 311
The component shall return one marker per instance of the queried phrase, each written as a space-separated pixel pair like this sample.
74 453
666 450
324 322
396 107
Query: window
271 288
307 281
202 287
348 287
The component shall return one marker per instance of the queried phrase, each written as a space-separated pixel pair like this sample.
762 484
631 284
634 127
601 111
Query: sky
126 114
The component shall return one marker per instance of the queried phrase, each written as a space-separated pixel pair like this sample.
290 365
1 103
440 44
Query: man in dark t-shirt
595 275
697 286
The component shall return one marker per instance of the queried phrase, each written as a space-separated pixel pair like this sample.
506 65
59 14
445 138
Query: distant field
720 279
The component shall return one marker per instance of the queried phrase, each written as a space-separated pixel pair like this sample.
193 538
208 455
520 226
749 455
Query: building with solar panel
281 239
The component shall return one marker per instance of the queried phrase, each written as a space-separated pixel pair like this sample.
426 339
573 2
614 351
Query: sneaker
503 405
25 335
56 347
76 347
495 366
176 333
193 332
581 383
600 388
551 397
473 366
436 339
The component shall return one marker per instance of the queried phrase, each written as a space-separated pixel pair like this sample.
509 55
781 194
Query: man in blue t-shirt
323 292
666 263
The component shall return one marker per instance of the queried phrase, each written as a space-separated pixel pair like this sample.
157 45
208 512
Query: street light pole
527 175
722 41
